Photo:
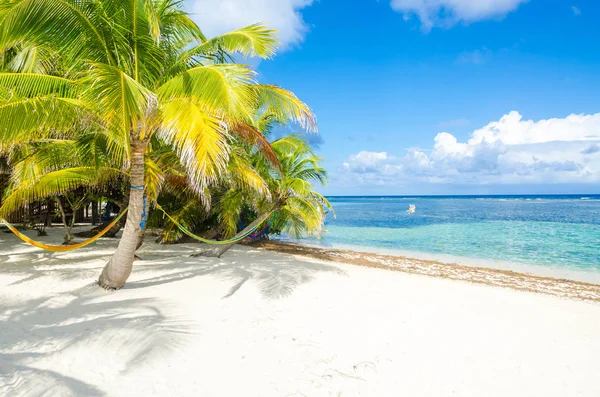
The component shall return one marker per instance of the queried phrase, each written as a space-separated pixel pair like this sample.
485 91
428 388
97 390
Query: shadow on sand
67 323
276 275
35 330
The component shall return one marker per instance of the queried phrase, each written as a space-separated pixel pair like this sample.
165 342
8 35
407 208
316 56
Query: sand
531 282
260 323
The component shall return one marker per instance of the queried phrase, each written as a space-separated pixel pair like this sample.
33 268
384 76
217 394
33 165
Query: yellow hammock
212 242
63 248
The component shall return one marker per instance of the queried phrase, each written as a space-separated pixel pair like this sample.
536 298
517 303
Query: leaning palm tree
293 205
132 71
301 209
197 212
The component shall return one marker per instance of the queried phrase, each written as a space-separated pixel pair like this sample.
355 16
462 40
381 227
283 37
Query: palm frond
245 177
118 98
48 157
33 59
198 139
154 178
253 137
225 89
62 25
51 184
284 106
229 209
25 119
30 85
250 41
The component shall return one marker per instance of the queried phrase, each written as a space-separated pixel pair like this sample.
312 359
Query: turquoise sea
549 234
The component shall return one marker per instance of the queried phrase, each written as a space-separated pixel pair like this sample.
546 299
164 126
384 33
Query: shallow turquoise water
553 231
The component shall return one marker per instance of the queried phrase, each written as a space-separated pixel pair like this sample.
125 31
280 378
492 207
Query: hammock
212 242
63 248
264 231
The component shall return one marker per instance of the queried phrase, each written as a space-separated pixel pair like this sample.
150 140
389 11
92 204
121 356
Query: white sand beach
259 323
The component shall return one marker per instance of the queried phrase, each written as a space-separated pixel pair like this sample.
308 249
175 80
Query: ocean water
548 235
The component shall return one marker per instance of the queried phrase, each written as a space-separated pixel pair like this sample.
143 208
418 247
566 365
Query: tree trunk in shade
65 223
95 214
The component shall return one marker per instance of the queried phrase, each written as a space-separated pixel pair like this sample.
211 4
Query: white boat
411 209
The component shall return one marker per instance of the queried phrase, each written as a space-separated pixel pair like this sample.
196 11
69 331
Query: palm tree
302 210
199 212
293 204
133 71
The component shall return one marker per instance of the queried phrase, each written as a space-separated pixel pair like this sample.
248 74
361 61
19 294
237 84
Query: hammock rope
63 248
212 242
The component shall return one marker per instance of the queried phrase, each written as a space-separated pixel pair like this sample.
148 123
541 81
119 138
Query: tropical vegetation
129 97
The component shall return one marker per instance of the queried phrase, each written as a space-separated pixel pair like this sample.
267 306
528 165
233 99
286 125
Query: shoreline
589 276
564 288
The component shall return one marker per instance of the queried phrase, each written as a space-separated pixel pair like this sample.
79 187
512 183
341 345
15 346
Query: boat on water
411 209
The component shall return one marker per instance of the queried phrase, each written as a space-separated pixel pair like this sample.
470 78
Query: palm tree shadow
30 263
276 275
35 331
34 382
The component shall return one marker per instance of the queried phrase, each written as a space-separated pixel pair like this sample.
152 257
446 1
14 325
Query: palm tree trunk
217 251
69 231
49 211
95 214
117 270
63 216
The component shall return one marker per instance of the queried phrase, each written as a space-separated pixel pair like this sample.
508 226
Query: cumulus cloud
449 12
372 168
508 151
367 162
219 16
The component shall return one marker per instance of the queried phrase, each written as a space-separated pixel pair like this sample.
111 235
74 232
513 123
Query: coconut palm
199 212
301 210
132 71
293 206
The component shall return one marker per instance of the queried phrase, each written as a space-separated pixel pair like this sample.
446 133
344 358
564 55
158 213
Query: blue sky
444 97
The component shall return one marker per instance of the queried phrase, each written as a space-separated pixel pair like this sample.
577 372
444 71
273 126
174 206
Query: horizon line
463 195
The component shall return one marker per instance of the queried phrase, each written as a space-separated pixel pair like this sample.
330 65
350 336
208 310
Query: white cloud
511 129
508 151
219 16
449 12
576 10
364 162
